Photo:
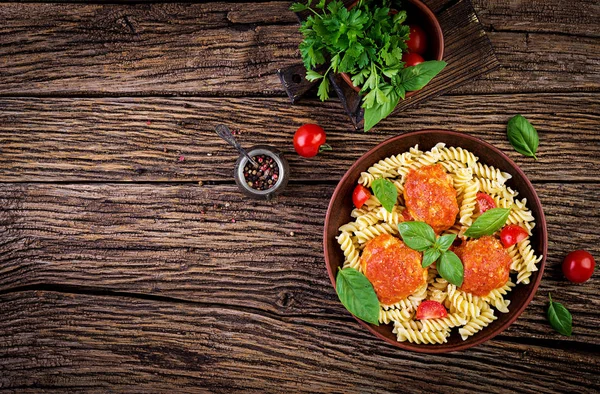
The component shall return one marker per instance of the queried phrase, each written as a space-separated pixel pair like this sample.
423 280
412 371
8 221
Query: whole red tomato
412 59
578 266
310 140
417 40
360 196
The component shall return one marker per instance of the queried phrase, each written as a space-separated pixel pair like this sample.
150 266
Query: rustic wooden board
176 241
236 48
109 139
98 343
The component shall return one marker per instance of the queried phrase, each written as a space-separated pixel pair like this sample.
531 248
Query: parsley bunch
367 43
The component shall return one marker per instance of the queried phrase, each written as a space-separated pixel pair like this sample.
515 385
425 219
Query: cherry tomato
512 234
431 310
412 59
485 202
309 140
578 266
417 40
407 216
360 195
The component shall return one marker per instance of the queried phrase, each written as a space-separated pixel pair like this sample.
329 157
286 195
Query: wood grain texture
177 241
110 139
84 343
233 49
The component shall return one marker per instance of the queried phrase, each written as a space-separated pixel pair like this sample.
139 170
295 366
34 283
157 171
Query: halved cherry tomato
412 59
578 266
360 195
309 140
431 310
512 234
485 202
417 40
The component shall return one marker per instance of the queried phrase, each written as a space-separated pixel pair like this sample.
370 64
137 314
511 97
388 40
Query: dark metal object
224 132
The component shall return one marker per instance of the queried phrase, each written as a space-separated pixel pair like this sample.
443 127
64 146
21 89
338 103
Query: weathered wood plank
180 241
80 342
110 139
227 49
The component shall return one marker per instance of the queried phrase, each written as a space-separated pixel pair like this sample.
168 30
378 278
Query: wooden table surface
121 272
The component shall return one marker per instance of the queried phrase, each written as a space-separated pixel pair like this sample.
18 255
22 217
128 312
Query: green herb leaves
367 43
357 294
522 136
386 193
420 236
488 223
560 318
416 77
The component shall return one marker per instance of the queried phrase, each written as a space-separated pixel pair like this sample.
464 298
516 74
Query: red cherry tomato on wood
360 195
485 202
417 40
512 234
309 140
578 266
412 59
431 310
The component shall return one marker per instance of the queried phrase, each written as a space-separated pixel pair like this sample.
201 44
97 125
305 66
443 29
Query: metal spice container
244 179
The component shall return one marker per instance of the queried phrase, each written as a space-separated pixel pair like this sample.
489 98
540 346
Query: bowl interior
340 207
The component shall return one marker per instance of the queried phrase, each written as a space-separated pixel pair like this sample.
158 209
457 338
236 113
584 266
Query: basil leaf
488 223
445 241
377 112
386 193
560 318
357 294
522 136
416 77
451 268
430 256
418 236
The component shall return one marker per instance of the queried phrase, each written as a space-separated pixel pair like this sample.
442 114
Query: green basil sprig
357 294
522 136
560 318
420 236
488 223
386 193
416 77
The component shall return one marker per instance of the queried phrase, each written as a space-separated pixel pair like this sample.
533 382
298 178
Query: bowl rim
436 31
540 222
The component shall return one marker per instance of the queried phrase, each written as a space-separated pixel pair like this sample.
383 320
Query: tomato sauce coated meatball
430 197
393 268
486 265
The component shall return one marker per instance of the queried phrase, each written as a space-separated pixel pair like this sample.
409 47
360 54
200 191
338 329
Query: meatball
430 197
393 268
486 265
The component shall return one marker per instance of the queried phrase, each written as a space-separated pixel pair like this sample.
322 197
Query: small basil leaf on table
416 77
418 236
386 193
357 294
488 223
560 318
445 241
451 268
430 256
522 136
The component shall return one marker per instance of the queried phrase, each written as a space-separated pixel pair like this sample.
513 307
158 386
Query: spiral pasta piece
465 303
394 315
352 257
356 213
446 323
418 337
452 165
366 179
404 304
419 295
484 171
461 178
351 227
367 220
458 154
391 218
469 201
410 325
368 233
477 324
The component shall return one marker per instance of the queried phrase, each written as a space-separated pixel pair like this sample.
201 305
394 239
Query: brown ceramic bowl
340 207
419 14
